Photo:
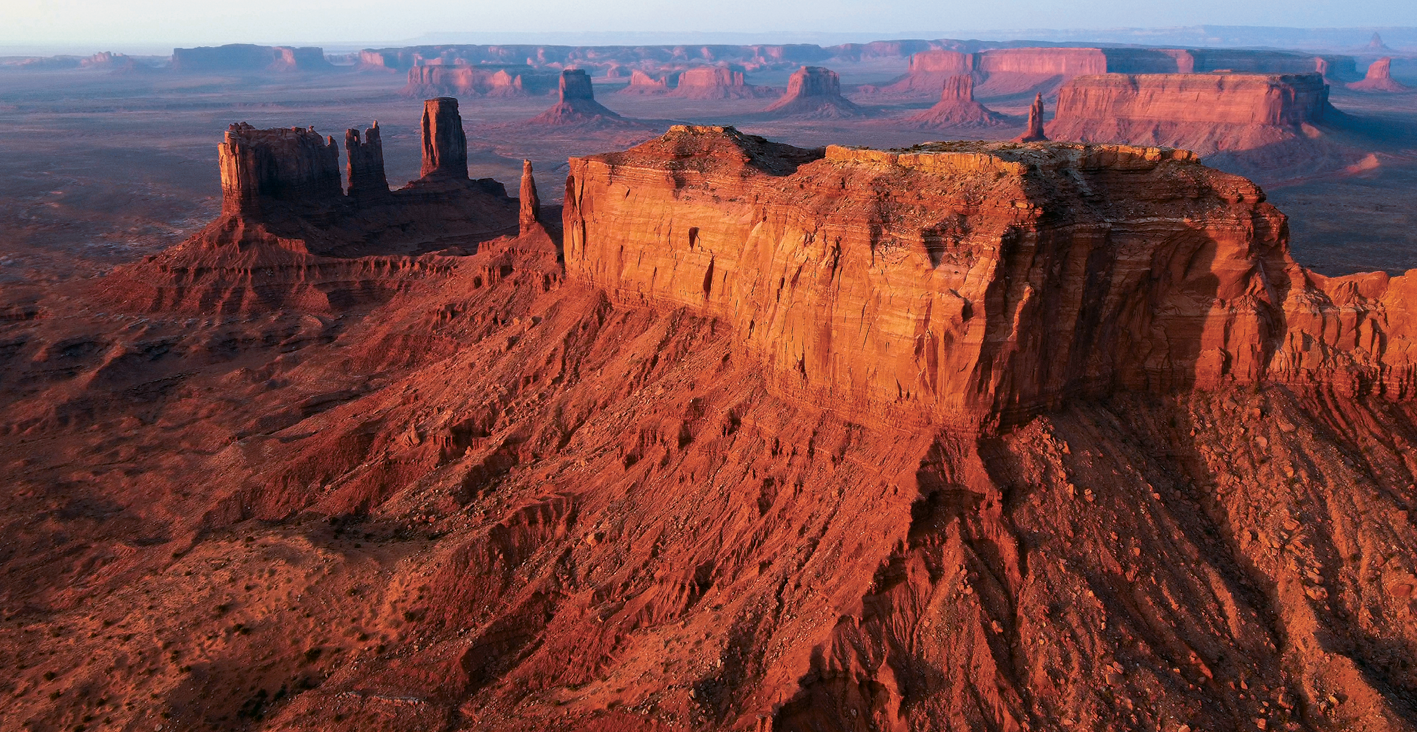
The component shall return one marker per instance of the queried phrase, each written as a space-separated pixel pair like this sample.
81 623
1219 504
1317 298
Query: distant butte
1379 78
957 108
814 92
577 106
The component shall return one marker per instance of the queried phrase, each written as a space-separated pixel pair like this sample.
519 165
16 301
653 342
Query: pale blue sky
128 23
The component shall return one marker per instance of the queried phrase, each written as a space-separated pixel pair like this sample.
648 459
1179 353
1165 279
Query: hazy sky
190 22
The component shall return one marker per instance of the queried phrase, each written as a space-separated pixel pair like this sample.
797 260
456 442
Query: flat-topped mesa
472 81
1378 79
529 204
714 82
444 142
249 57
577 105
957 108
1034 133
969 285
365 164
287 165
1202 112
814 92
642 83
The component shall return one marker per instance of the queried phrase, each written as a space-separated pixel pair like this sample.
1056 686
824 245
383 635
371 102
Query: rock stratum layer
982 282
1260 124
476 81
715 82
496 496
1004 72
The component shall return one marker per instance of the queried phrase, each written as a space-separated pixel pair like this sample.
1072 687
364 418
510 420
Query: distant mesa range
1007 71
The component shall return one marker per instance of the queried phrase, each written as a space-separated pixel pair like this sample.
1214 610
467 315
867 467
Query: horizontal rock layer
971 284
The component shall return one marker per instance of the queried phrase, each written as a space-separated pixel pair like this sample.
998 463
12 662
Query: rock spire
1035 123
444 143
530 216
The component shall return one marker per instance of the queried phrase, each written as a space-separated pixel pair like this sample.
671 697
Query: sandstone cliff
1260 124
814 92
642 83
261 168
444 142
715 82
975 291
248 57
365 164
465 489
1034 131
472 81
1379 78
957 109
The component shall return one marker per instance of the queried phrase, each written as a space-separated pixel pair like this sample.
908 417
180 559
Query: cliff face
964 284
366 164
248 57
957 108
814 92
1010 71
714 82
1260 124
457 490
261 167
469 81
1379 78
642 83
444 142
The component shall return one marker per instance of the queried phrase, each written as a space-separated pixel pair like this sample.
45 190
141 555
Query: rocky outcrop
529 204
715 82
261 168
365 164
966 284
644 84
248 57
577 106
957 109
474 81
814 92
1379 78
1034 131
444 142
1207 113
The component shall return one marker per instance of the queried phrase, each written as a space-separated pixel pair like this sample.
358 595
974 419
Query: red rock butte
283 164
1202 112
444 142
966 436
959 285
715 82
577 105
1010 71
1379 78
814 92
475 81
957 108
642 83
